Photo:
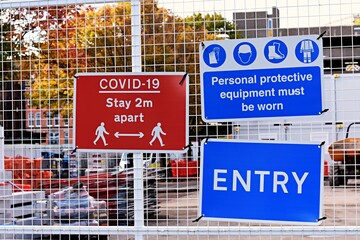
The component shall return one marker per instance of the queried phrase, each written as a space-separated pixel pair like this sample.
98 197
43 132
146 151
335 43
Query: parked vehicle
73 206
117 189
346 156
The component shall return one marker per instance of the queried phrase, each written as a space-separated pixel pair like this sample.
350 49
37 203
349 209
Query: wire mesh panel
51 189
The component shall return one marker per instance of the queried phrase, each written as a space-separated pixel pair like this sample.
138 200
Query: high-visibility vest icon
307 49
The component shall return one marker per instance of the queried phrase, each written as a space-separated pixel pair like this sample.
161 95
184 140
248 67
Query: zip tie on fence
187 146
203 45
320 219
199 218
183 79
206 139
324 111
74 150
321 144
321 35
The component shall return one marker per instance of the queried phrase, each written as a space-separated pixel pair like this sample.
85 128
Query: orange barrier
184 168
326 168
26 171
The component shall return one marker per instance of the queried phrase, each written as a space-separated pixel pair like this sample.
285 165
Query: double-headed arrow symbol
117 134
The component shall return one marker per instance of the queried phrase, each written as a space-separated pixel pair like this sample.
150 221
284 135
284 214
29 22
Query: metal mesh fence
50 188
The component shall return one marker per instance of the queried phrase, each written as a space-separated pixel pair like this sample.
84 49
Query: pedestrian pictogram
100 131
156 133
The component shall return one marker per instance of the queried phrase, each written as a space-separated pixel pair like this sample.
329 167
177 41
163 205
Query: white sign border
201 184
185 81
201 49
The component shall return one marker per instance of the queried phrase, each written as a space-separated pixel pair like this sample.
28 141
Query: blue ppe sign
261 181
262 78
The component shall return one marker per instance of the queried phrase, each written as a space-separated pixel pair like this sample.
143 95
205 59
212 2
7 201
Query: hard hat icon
244 48
245 53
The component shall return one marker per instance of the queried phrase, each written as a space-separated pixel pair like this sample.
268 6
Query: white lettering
218 179
118 84
233 81
129 118
114 102
279 180
300 182
262 174
282 183
102 82
113 83
237 176
136 83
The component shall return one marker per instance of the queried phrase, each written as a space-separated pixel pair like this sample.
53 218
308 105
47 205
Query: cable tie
199 218
321 144
324 111
74 150
206 139
203 45
187 146
320 219
183 79
321 35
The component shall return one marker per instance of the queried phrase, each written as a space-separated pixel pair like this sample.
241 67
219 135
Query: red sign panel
145 112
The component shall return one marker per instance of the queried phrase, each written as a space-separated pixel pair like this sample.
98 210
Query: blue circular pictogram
245 53
214 55
307 51
275 51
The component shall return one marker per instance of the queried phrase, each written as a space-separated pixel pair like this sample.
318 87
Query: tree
58 58
215 26
208 27
99 40
16 27
107 38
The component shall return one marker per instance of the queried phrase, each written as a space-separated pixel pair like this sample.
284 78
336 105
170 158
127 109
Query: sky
293 13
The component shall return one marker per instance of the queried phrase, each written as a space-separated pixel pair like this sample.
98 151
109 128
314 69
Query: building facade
341 44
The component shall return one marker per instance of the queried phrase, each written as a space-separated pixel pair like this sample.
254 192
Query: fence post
138 160
138 196
2 166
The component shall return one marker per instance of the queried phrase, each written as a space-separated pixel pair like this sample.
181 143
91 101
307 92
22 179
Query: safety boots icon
274 52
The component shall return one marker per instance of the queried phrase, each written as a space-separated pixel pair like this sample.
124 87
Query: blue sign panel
264 78
261 181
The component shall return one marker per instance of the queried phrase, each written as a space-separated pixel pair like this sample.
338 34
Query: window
56 120
48 119
54 138
66 137
66 121
30 119
270 28
38 119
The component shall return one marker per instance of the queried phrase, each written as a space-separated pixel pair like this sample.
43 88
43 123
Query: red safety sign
145 112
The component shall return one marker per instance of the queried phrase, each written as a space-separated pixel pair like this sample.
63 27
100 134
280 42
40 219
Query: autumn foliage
67 40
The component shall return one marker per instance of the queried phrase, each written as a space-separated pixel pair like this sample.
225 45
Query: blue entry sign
261 78
261 182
